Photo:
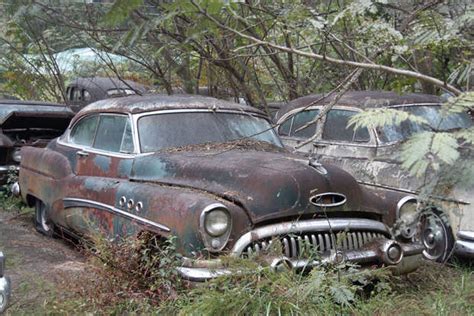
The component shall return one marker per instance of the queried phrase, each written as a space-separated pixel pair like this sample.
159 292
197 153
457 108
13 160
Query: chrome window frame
370 144
65 140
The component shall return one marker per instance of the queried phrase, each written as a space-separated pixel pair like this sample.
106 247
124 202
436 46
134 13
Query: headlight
409 213
408 216
16 155
216 224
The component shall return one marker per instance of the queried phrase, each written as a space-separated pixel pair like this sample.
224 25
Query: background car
83 91
215 175
5 286
28 123
371 155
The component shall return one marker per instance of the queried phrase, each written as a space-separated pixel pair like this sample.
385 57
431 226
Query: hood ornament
313 162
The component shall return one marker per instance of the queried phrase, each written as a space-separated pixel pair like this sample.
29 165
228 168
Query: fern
373 118
429 149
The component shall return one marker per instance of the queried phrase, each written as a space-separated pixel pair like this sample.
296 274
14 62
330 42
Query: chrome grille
294 245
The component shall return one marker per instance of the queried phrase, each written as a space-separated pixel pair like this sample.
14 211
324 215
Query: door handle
81 153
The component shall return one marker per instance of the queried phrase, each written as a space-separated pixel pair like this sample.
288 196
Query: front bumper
8 168
376 253
464 246
5 288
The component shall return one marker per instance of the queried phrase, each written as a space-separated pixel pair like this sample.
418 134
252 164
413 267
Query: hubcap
434 237
44 223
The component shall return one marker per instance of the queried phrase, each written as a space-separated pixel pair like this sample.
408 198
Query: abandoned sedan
371 155
27 123
215 175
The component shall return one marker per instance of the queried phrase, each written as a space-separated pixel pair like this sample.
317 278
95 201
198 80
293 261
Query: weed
8 202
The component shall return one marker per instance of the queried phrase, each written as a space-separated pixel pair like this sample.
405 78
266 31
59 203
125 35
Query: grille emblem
328 199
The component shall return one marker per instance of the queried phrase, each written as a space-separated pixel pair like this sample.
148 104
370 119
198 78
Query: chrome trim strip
466 234
447 199
77 202
464 248
321 225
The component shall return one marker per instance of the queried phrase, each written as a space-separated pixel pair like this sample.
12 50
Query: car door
104 152
352 150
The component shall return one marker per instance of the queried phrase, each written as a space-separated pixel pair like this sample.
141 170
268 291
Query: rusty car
214 175
371 156
83 91
5 286
27 123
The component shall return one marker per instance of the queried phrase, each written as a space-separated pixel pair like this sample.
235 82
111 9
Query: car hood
266 185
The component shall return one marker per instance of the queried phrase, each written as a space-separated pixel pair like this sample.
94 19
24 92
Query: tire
42 222
437 236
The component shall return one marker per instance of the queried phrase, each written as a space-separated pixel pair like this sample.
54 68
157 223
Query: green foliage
380 117
8 202
428 149
328 290
121 10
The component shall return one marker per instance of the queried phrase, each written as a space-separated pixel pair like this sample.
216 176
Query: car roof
155 102
361 99
103 84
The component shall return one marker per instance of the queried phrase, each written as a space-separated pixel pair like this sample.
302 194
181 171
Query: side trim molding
77 202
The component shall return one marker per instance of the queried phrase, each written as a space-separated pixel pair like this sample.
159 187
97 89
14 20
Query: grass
432 290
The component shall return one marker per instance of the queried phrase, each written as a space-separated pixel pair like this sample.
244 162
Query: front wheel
42 222
437 236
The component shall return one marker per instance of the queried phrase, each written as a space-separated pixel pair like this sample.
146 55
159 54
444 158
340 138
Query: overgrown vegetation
131 278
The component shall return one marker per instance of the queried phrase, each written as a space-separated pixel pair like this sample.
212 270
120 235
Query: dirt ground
38 266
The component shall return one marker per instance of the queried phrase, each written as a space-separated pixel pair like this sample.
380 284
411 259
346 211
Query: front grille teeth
294 246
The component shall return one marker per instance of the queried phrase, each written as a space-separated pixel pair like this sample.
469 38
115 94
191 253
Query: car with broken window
5 286
27 123
215 175
85 90
371 155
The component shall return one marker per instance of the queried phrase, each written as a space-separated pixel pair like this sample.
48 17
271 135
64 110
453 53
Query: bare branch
402 72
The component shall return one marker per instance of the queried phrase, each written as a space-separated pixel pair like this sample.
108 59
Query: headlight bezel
16 154
408 216
215 242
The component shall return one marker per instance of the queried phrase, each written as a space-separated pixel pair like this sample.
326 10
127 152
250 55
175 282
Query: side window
83 132
284 128
127 139
76 94
114 134
336 128
302 119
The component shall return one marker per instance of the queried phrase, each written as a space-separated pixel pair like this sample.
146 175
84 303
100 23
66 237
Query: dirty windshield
437 121
181 129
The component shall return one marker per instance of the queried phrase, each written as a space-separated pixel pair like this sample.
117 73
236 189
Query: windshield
160 131
436 121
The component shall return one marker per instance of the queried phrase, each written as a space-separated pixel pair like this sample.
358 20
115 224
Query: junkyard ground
45 273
